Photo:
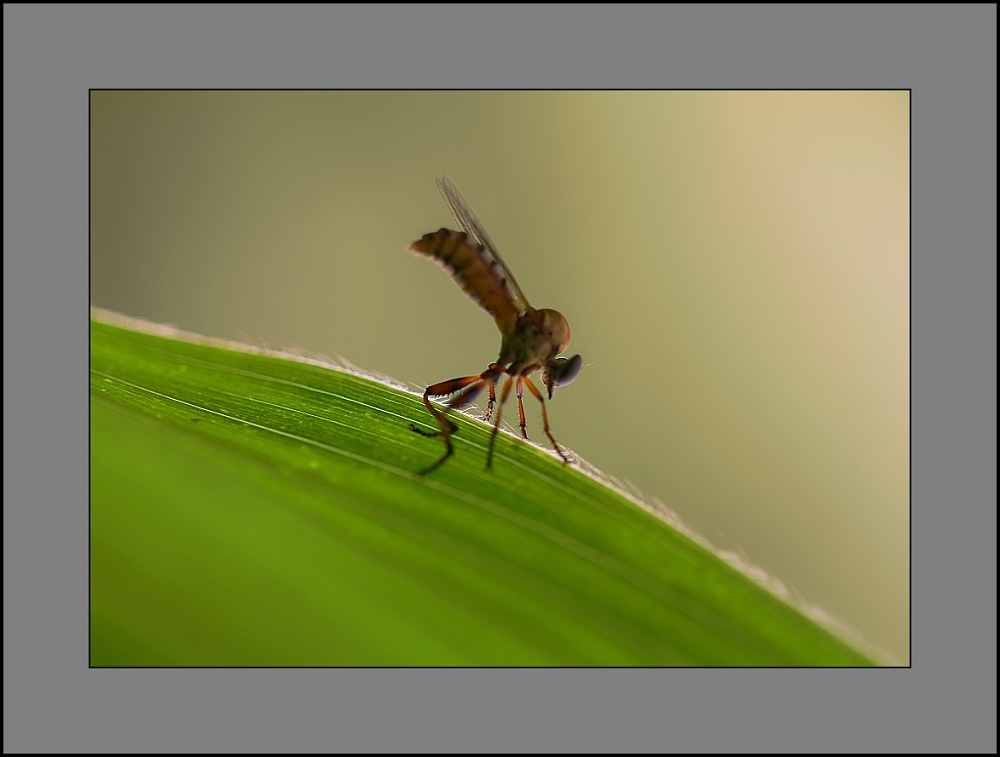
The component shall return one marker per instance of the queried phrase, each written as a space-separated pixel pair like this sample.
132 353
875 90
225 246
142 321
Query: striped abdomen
475 270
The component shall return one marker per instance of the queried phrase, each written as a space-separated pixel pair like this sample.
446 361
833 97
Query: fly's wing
475 270
471 226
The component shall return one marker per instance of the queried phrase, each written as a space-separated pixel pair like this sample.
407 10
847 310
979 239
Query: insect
531 339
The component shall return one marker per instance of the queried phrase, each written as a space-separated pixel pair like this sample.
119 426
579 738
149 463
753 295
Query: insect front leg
545 419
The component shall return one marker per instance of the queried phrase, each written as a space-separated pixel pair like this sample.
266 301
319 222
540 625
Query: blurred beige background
734 267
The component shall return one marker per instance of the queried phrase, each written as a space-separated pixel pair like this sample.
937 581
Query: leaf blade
530 564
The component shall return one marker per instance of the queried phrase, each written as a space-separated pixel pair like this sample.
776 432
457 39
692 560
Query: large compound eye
562 371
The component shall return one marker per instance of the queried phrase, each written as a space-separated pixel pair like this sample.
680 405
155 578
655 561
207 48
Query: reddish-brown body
531 339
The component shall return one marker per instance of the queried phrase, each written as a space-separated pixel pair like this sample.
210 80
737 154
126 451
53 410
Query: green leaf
253 510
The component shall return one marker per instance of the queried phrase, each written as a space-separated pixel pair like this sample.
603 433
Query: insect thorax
537 337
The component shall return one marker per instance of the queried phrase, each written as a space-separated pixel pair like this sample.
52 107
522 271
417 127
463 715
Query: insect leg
468 395
468 383
520 405
440 390
493 374
492 402
545 418
496 425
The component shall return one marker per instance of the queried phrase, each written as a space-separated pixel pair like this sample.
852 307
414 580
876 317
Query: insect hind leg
468 388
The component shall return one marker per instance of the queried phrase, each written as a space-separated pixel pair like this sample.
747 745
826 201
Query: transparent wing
471 226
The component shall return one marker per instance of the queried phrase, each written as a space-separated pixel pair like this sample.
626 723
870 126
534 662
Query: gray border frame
946 54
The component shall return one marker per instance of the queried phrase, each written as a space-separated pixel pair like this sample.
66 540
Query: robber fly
531 339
